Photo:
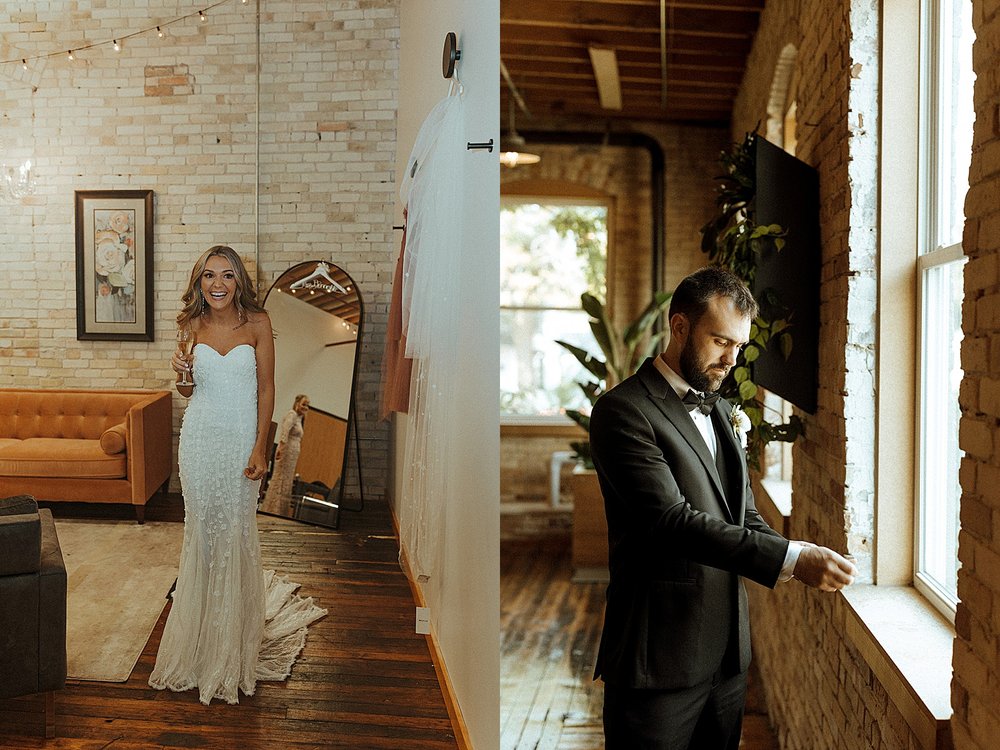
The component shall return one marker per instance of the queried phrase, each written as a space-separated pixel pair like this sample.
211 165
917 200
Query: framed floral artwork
114 265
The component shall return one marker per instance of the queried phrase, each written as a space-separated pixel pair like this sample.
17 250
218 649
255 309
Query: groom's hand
824 569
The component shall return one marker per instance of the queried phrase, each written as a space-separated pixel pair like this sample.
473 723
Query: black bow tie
694 400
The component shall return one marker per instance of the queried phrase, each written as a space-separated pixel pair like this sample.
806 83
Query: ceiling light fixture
609 88
512 146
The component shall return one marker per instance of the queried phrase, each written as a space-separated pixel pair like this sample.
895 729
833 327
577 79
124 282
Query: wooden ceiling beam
738 6
626 40
591 13
673 79
592 114
627 71
518 60
545 90
545 43
594 29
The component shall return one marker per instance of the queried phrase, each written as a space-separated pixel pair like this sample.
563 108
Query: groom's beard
699 374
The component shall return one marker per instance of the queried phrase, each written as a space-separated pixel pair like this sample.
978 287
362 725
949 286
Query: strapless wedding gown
231 623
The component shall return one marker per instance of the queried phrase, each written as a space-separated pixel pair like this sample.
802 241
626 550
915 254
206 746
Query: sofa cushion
113 439
59 457
80 415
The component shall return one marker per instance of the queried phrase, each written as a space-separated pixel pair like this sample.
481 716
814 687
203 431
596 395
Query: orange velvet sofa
85 445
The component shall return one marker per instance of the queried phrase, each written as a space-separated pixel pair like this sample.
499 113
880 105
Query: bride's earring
202 295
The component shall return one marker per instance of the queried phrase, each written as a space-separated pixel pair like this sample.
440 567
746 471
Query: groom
683 531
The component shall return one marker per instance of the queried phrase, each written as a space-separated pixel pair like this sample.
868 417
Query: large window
550 253
777 465
946 143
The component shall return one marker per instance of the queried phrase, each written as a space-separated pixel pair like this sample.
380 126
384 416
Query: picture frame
114 265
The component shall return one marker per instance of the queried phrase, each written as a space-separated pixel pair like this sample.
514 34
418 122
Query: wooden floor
364 680
549 632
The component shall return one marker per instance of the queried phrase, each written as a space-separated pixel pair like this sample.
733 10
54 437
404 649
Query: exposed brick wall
178 115
691 164
690 157
821 693
976 683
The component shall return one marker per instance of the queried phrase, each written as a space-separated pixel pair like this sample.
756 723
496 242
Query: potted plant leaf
734 240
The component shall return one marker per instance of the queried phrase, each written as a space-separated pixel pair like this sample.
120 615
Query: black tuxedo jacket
680 536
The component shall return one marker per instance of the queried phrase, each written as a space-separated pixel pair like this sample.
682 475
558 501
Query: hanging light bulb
159 32
117 46
512 146
202 16
24 63
70 53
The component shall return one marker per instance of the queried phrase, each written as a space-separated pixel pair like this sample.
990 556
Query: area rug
118 576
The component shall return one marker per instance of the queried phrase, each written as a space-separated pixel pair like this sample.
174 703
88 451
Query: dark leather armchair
32 604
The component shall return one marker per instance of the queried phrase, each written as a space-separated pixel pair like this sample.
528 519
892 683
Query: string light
116 43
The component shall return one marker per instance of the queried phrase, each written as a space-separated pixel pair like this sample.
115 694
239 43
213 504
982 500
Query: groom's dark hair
693 293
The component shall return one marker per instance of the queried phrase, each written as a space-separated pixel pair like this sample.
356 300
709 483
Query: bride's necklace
240 322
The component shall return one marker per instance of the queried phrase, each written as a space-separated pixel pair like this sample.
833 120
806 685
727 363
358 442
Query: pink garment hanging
396 367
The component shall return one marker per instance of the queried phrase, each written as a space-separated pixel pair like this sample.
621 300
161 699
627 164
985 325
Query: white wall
464 594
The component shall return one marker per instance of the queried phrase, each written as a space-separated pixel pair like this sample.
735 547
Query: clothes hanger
328 283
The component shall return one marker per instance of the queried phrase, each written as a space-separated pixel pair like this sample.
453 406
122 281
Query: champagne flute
186 341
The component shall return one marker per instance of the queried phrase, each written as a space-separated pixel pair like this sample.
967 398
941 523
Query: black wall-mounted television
787 193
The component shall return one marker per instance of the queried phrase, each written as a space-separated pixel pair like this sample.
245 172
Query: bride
231 622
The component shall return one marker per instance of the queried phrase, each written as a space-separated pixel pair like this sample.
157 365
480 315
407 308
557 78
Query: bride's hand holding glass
183 359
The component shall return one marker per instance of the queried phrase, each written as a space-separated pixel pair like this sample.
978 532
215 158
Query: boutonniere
741 424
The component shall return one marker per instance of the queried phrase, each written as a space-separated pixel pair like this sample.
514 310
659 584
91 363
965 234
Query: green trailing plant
622 351
734 240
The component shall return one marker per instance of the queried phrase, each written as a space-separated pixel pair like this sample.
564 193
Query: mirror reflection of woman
215 638
286 456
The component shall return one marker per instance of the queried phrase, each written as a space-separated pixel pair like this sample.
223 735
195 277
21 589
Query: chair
32 604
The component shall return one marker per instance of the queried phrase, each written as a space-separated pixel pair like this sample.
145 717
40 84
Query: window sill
554 426
908 646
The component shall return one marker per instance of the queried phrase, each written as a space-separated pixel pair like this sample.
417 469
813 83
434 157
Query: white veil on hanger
431 190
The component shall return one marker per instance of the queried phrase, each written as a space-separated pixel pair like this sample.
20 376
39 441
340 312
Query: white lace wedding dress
231 623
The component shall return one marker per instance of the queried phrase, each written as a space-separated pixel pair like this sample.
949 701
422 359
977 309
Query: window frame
561 198
929 256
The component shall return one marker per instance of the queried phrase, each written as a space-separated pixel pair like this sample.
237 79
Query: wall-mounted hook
452 54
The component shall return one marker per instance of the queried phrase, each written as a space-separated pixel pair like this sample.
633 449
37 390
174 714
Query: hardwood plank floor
364 680
549 632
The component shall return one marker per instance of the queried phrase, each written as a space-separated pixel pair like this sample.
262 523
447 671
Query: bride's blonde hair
193 299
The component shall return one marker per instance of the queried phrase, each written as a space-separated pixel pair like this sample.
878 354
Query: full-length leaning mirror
317 315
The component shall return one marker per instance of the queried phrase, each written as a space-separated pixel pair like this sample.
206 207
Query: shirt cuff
791 557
